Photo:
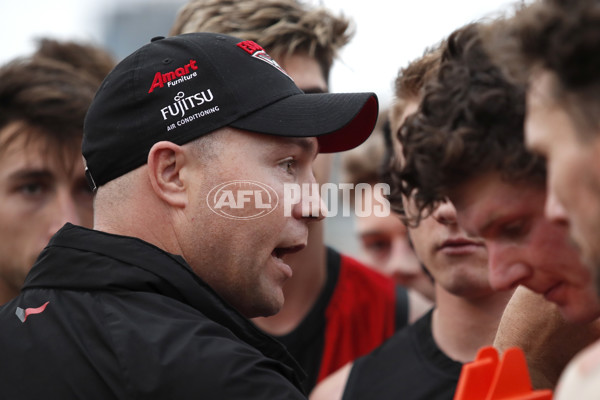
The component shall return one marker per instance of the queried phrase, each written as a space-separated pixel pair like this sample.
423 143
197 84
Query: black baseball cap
183 87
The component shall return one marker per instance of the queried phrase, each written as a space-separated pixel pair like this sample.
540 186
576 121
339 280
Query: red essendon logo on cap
172 78
256 51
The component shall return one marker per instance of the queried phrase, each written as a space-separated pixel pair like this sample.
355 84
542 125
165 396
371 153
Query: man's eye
31 189
289 165
376 246
514 229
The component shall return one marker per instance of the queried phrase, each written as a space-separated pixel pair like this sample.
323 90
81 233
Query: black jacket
127 320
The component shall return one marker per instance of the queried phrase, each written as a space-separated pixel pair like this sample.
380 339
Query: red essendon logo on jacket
256 51
172 78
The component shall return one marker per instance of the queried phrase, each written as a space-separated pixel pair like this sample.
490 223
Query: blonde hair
282 27
411 81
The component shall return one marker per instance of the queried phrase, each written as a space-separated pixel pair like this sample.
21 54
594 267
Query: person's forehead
488 198
372 224
29 160
539 103
305 71
309 145
22 136
540 86
28 149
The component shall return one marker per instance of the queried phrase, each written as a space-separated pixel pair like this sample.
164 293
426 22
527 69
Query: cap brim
340 121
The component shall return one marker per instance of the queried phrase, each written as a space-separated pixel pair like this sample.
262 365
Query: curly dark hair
560 36
409 85
470 122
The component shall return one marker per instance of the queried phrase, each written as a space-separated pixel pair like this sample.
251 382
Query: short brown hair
47 99
470 122
89 59
282 27
560 36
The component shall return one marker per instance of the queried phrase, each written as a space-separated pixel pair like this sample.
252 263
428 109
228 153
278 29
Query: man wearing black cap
189 230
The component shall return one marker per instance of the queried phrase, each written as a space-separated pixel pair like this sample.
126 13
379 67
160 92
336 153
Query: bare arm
549 342
332 388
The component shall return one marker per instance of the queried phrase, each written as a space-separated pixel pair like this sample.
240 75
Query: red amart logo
174 77
242 199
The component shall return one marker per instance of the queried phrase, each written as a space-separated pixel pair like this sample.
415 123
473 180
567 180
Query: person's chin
273 302
270 309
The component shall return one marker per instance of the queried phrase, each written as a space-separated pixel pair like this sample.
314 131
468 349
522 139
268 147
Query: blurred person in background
424 360
43 100
385 241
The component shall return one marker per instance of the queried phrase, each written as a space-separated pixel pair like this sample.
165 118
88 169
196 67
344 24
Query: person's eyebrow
24 174
371 232
495 220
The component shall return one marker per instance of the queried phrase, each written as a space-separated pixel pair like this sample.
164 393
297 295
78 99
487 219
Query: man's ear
166 161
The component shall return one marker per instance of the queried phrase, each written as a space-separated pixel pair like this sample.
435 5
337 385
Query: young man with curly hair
466 143
385 242
424 360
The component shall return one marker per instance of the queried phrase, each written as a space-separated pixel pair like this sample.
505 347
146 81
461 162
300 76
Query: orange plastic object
488 378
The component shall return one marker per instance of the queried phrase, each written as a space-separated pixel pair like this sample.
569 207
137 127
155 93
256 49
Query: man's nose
403 262
311 206
554 210
445 213
505 268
